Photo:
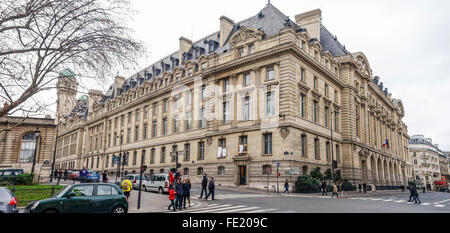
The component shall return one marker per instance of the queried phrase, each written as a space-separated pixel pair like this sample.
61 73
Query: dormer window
241 52
251 49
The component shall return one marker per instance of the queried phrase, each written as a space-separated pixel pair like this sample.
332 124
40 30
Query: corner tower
67 87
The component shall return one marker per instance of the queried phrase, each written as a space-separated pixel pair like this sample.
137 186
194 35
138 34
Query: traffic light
278 174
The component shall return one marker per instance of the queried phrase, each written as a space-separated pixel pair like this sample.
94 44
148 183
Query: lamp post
36 134
333 163
120 155
54 149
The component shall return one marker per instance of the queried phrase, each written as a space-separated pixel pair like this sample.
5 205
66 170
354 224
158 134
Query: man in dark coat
416 196
186 192
179 191
365 188
211 188
65 174
204 185
324 188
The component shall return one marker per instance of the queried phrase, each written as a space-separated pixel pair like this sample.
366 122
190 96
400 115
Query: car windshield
61 192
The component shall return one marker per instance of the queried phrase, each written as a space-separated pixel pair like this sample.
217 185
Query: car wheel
119 210
160 190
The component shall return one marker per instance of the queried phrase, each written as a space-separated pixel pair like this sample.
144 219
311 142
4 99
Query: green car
83 198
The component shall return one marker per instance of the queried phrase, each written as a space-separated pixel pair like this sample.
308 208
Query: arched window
221 170
186 171
28 147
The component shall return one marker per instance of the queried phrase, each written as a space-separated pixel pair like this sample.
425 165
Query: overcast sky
406 42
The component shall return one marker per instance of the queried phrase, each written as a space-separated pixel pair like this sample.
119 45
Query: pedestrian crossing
439 204
239 195
229 208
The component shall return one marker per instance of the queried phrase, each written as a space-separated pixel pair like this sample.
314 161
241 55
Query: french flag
386 144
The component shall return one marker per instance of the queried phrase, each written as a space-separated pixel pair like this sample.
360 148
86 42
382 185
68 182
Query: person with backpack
211 188
83 175
324 188
179 196
204 185
172 194
126 187
286 187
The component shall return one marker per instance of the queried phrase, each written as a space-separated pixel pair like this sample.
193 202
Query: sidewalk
349 194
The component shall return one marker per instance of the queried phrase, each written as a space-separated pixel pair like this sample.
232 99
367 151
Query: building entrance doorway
242 175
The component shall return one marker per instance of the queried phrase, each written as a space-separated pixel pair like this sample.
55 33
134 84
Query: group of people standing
179 191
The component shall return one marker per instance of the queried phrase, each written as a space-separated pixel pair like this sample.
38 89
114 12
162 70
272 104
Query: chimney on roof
185 46
226 25
310 20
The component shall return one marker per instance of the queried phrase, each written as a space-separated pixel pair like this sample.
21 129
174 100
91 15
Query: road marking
425 204
286 212
206 208
439 205
400 201
260 211
219 209
440 202
240 210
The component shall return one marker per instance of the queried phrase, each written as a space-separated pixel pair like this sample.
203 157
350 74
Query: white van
157 183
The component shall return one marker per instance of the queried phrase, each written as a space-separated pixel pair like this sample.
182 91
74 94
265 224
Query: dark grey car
8 201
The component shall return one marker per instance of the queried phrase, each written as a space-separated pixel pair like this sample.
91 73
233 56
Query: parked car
134 178
83 198
158 183
73 175
8 201
93 176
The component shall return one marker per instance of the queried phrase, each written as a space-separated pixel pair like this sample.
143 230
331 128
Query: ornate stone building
257 95
428 160
18 144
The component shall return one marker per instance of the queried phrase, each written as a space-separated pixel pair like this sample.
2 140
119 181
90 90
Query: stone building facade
262 94
428 161
18 143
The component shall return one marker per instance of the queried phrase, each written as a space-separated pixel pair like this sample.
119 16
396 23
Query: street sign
278 164
116 160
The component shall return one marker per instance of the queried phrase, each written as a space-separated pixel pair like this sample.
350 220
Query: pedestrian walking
105 177
179 196
127 187
359 187
55 174
343 194
411 194
424 189
204 185
211 188
172 194
416 196
60 173
365 188
83 175
324 188
65 174
286 187
186 193
335 191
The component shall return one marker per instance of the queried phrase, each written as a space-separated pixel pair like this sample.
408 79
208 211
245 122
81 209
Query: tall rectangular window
226 112
138 115
327 151
315 111
304 146
155 109
203 92
166 105
129 118
270 73
164 126
268 144
247 79
326 112
202 118
145 112
163 155
251 49
143 155
201 150
222 150
338 154
302 105
241 52
134 157
188 121
187 152
302 74
136 133
316 82
270 104
246 109
243 145
176 124
128 135
226 84
152 157
154 128
326 90
316 149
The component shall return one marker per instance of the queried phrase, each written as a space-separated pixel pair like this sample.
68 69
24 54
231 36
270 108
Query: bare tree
40 38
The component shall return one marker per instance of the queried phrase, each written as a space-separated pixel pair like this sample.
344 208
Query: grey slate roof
269 20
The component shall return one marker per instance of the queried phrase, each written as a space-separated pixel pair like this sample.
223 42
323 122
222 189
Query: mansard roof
269 20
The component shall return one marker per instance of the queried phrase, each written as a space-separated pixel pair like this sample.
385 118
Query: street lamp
333 163
36 134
